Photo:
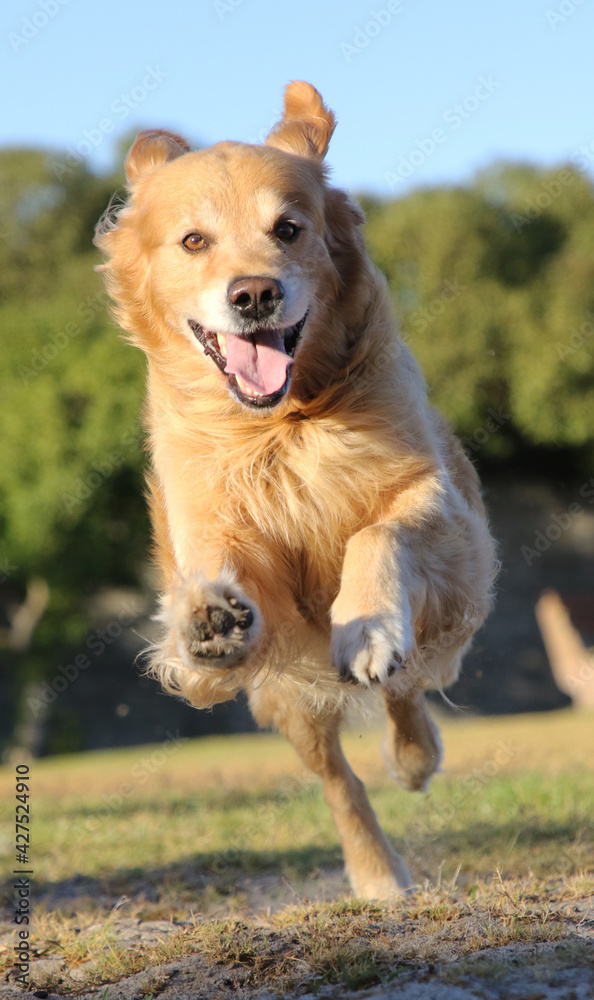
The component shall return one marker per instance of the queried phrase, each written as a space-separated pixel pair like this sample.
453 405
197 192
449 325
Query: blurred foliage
493 285
71 483
494 289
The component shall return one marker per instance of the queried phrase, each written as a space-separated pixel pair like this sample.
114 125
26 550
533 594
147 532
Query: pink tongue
260 361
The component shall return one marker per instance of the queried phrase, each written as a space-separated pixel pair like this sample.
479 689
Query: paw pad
221 620
214 625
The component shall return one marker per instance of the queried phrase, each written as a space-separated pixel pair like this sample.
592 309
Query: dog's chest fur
276 494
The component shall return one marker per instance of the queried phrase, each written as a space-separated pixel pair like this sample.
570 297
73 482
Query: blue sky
426 92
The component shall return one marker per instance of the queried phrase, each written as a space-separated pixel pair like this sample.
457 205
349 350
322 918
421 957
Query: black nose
255 298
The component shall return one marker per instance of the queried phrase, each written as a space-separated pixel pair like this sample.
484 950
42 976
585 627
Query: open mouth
256 364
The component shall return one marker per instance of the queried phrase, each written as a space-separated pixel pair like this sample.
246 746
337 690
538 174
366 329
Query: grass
223 848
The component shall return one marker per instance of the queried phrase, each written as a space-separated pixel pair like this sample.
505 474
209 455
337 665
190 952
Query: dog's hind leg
412 748
374 868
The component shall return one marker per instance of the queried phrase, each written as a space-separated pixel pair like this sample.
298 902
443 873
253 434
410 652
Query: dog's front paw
214 623
370 650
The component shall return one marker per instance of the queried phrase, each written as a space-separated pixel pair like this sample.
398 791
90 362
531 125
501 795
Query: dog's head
237 255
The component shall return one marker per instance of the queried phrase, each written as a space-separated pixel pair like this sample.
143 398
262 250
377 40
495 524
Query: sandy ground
543 972
552 970
563 970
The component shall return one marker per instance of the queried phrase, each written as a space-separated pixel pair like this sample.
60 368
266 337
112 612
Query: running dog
318 529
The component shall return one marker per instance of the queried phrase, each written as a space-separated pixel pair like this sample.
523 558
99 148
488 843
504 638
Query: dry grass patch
350 942
225 852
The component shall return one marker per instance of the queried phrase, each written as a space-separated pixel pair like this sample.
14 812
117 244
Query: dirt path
561 969
268 914
542 972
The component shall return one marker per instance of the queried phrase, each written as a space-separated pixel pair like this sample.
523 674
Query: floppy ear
152 149
307 124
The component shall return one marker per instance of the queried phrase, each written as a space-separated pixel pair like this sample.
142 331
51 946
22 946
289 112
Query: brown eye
194 241
286 231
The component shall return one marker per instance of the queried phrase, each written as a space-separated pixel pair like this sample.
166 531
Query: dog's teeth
246 389
222 338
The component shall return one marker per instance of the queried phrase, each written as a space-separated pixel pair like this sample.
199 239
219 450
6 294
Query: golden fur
340 533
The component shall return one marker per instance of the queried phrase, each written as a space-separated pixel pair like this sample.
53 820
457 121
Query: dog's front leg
413 590
213 623
209 607
374 612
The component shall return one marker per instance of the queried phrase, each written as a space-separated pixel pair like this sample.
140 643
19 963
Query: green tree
493 287
71 508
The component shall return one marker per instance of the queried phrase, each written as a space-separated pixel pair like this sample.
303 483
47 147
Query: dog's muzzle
256 365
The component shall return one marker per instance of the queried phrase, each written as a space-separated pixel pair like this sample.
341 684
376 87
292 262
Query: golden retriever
315 521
